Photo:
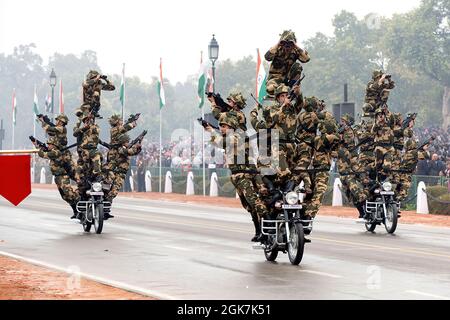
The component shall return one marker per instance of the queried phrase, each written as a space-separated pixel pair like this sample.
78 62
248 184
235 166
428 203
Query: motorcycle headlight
97 186
292 198
387 186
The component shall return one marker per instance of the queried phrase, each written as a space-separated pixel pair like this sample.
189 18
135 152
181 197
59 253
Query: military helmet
281 89
348 118
288 35
239 99
378 111
311 103
92 74
63 118
123 138
228 120
114 120
377 74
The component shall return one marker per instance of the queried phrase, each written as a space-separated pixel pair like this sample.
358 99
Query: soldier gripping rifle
139 138
205 124
224 107
45 119
427 143
410 117
133 118
40 144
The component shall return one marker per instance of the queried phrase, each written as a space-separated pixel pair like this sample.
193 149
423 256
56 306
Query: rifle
40 144
206 124
291 94
341 129
45 119
105 144
133 118
427 142
139 138
224 107
69 147
257 102
410 117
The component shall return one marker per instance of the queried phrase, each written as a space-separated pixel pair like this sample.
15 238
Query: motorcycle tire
296 243
391 218
98 218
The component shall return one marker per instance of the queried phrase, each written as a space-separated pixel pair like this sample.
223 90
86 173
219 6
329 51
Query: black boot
257 230
360 207
75 211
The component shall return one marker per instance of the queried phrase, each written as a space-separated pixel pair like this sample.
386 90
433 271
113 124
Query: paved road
185 251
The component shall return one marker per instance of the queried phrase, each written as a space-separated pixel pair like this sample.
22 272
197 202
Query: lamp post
213 51
53 84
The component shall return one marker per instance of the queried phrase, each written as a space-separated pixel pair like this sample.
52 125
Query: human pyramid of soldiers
89 167
381 147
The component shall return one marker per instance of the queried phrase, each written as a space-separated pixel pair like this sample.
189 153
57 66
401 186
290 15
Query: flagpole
123 101
13 124
160 150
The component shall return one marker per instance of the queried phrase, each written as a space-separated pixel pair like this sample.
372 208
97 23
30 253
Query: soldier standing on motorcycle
242 166
91 157
68 192
384 140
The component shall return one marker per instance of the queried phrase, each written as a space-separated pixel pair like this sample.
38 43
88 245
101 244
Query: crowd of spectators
438 164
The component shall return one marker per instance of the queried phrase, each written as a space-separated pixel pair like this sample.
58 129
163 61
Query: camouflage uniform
284 66
91 157
384 149
68 192
398 147
408 164
325 146
307 124
92 88
373 89
366 156
240 103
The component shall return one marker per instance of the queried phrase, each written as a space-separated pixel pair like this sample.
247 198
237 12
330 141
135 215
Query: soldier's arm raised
303 55
271 53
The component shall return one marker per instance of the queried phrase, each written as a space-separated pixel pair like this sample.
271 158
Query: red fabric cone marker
15 179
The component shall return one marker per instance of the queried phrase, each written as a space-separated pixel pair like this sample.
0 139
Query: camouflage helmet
328 126
63 118
281 89
348 118
123 139
228 120
92 74
311 103
114 120
238 99
377 74
288 35
378 111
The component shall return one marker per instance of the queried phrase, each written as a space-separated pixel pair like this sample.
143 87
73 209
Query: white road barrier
337 194
168 184
42 180
148 181
131 181
214 186
190 184
32 175
53 179
422 201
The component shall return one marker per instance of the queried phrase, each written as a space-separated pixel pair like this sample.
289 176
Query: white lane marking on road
177 248
330 275
426 294
124 239
102 280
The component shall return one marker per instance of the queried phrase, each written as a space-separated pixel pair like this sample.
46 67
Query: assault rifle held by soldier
224 107
427 143
139 138
410 117
206 124
40 144
291 94
46 119
133 118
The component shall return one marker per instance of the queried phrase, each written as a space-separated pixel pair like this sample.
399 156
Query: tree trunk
446 107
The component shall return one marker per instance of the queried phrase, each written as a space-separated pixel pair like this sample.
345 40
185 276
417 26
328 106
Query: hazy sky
140 32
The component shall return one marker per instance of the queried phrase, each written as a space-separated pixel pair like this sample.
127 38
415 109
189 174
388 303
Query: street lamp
53 84
213 50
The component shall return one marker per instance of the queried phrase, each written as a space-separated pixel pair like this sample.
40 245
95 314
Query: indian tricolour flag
35 102
14 107
201 83
122 88
261 79
162 97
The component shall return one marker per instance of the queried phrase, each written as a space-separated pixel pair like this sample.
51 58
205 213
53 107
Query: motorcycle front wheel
296 243
391 217
98 218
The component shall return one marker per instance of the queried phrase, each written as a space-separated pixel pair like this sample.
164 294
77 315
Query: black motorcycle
286 232
92 211
382 208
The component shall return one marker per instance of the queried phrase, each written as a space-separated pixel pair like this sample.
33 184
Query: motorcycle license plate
292 206
387 193
96 193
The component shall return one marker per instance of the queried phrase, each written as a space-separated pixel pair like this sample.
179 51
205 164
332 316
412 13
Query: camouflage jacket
121 162
399 139
282 61
348 139
240 116
307 123
117 131
90 138
326 146
345 164
58 132
365 140
383 134
92 90
283 119
56 161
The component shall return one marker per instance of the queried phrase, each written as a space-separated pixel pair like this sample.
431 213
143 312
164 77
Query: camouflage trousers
403 186
354 189
68 192
248 195
320 187
274 80
92 159
273 83
396 161
367 160
69 164
115 179
304 155
283 160
384 155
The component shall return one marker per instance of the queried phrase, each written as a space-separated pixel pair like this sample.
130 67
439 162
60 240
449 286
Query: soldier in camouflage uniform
59 133
325 147
373 90
351 182
282 117
68 192
366 156
307 124
94 84
242 166
284 57
348 135
237 103
384 140
91 157
398 147
119 163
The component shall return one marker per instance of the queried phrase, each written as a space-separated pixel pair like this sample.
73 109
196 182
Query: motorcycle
286 232
92 211
382 208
